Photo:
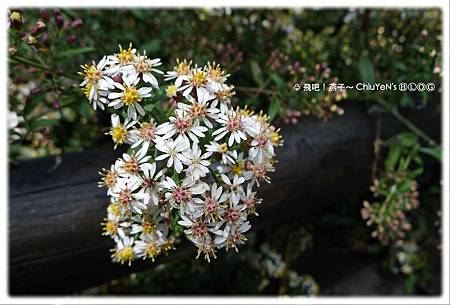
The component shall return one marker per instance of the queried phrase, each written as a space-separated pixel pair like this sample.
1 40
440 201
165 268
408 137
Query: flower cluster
389 215
195 171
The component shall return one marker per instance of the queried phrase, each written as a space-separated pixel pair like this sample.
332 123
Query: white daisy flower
150 188
110 177
127 196
194 228
235 187
119 60
130 96
223 94
196 80
143 67
211 206
197 164
232 125
182 125
143 137
129 166
181 196
150 245
199 110
180 72
95 81
222 149
256 172
124 251
173 152
120 132
262 148
233 233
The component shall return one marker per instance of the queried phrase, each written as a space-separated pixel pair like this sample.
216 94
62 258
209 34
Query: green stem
23 60
407 123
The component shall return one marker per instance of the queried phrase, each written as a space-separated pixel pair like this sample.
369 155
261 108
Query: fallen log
55 210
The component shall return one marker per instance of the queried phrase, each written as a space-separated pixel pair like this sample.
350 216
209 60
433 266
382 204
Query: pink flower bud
44 15
76 23
58 19
38 28
71 38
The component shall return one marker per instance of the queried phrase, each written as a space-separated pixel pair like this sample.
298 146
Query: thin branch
407 123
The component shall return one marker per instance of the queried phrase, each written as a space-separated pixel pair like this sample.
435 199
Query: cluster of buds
39 35
195 172
389 215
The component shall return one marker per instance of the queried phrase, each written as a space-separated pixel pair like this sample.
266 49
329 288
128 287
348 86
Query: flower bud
45 15
44 40
58 19
15 18
35 91
30 39
71 38
76 23
56 103
38 28
12 51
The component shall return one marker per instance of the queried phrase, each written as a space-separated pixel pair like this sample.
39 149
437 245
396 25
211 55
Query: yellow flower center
197 110
147 131
125 255
237 169
114 208
182 68
109 178
125 56
199 79
142 66
131 96
214 72
152 251
93 74
171 90
148 227
118 133
111 227
223 148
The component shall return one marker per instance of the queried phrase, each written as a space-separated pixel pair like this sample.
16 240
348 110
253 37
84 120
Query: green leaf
31 104
407 139
278 80
435 152
38 123
149 107
274 109
73 52
366 70
256 72
393 156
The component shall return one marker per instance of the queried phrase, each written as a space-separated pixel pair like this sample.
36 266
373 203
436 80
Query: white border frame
443 299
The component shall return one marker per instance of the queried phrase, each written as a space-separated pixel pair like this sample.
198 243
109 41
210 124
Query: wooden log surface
55 209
